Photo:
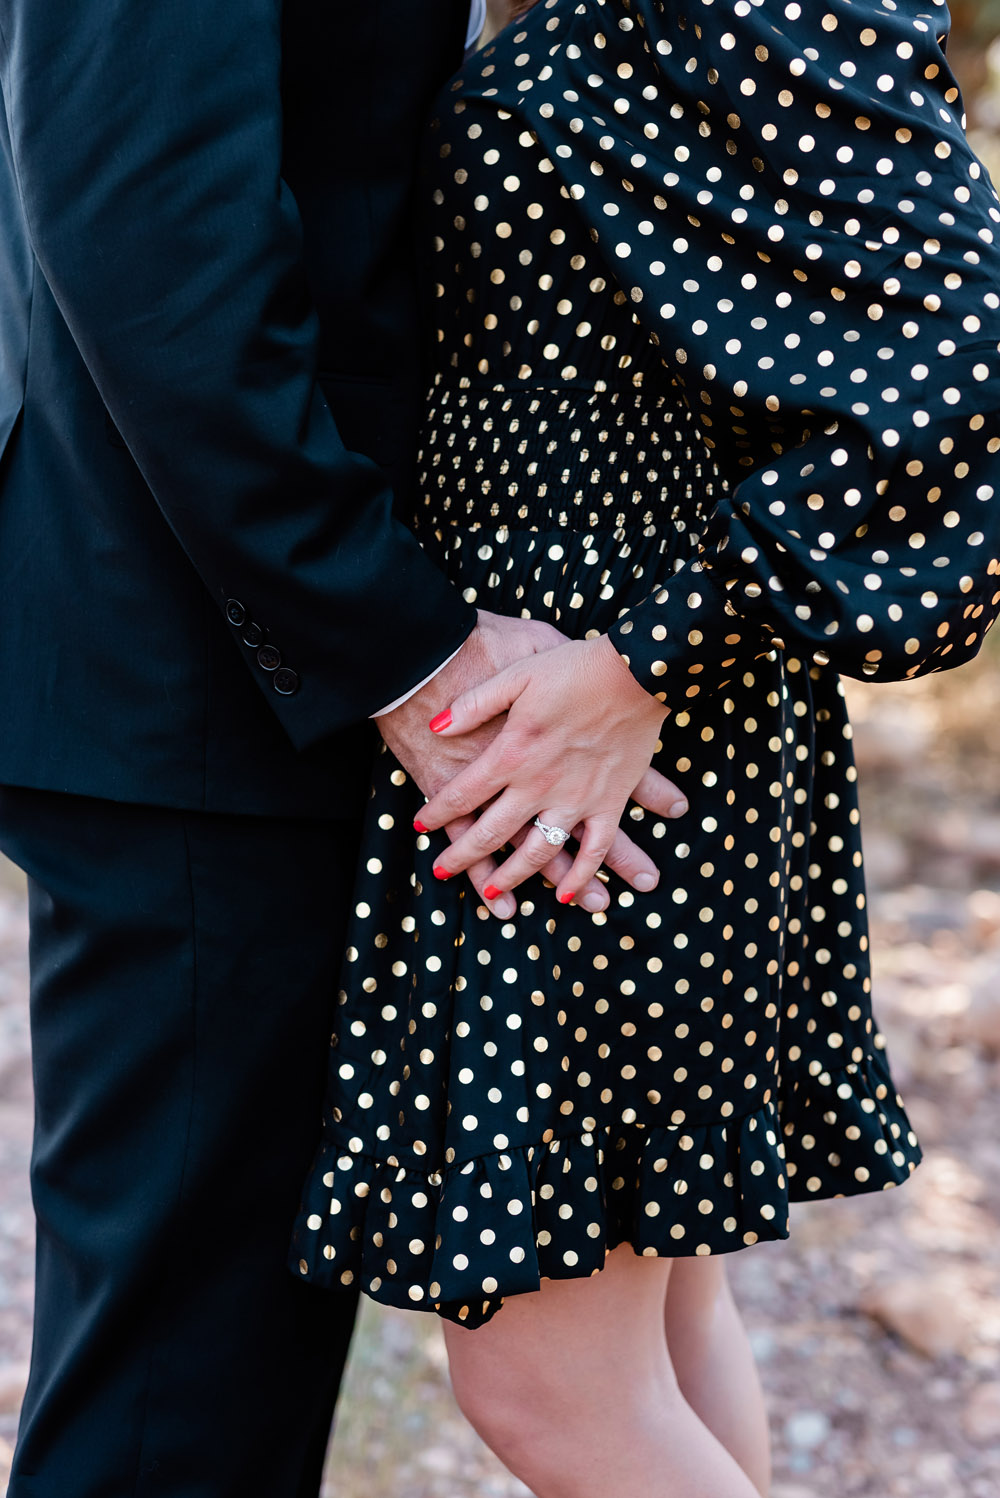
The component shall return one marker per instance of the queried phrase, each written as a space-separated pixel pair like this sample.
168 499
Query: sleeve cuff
685 641
383 711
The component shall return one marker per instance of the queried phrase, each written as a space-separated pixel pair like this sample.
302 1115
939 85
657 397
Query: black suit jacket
208 367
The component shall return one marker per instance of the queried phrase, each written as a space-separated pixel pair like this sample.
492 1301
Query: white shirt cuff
414 690
477 20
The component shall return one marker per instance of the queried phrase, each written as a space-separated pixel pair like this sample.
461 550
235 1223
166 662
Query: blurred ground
877 1326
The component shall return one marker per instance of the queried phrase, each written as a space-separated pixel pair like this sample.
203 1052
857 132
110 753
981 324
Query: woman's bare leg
714 1364
573 1388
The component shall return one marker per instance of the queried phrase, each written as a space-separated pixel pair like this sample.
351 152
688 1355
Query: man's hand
433 761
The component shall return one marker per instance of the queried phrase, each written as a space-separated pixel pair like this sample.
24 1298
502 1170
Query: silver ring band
556 836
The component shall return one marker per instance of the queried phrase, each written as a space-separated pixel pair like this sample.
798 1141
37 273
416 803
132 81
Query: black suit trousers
184 971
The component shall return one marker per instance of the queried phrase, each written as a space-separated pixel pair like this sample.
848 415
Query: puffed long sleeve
786 195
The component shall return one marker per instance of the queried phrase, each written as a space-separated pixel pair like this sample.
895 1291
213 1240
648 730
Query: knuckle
512 754
529 730
484 838
595 845
546 635
453 800
546 780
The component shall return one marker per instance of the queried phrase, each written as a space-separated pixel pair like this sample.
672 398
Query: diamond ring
554 835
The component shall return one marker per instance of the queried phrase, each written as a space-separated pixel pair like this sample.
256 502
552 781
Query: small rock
924 1311
984 909
983 844
981 1022
886 859
807 1429
936 1467
981 1416
13 1378
438 1459
763 1344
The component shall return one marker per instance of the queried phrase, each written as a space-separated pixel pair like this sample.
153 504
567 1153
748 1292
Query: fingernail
506 907
678 809
566 899
441 721
491 892
645 882
593 902
418 826
440 872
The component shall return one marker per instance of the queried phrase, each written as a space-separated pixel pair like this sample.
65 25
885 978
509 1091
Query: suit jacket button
235 612
253 635
286 681
269 658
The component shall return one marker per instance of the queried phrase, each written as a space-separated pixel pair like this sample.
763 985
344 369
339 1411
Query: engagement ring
554 835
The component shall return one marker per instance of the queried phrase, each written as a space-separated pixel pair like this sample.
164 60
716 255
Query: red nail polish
491 892
565 899
418 826
440 872
441 721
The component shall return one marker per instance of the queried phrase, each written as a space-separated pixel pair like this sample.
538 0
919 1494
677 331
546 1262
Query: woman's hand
434 761
575 747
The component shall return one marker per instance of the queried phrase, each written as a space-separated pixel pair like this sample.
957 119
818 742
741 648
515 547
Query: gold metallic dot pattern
714 299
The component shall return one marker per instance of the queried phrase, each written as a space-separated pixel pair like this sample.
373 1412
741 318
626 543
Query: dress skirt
510 1100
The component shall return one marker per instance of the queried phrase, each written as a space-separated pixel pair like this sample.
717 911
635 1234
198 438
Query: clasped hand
530 724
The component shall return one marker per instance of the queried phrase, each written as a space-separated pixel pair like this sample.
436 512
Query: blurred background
877 1327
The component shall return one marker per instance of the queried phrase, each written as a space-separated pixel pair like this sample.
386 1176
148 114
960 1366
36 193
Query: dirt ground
877 1327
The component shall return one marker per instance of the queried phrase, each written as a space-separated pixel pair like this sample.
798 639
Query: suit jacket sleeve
785 194
147 142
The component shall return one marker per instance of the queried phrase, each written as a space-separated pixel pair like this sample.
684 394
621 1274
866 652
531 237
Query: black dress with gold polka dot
714 318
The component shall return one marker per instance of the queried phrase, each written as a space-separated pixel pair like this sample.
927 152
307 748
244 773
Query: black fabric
774 207
183 977
616 292
206 316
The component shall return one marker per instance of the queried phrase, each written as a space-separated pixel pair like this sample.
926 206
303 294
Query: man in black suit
208 370
206 316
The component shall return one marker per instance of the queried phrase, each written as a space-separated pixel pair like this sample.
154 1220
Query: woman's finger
535 854
492 829
499 900
593 896
483 875
598 837
658 794
482 703
473 787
